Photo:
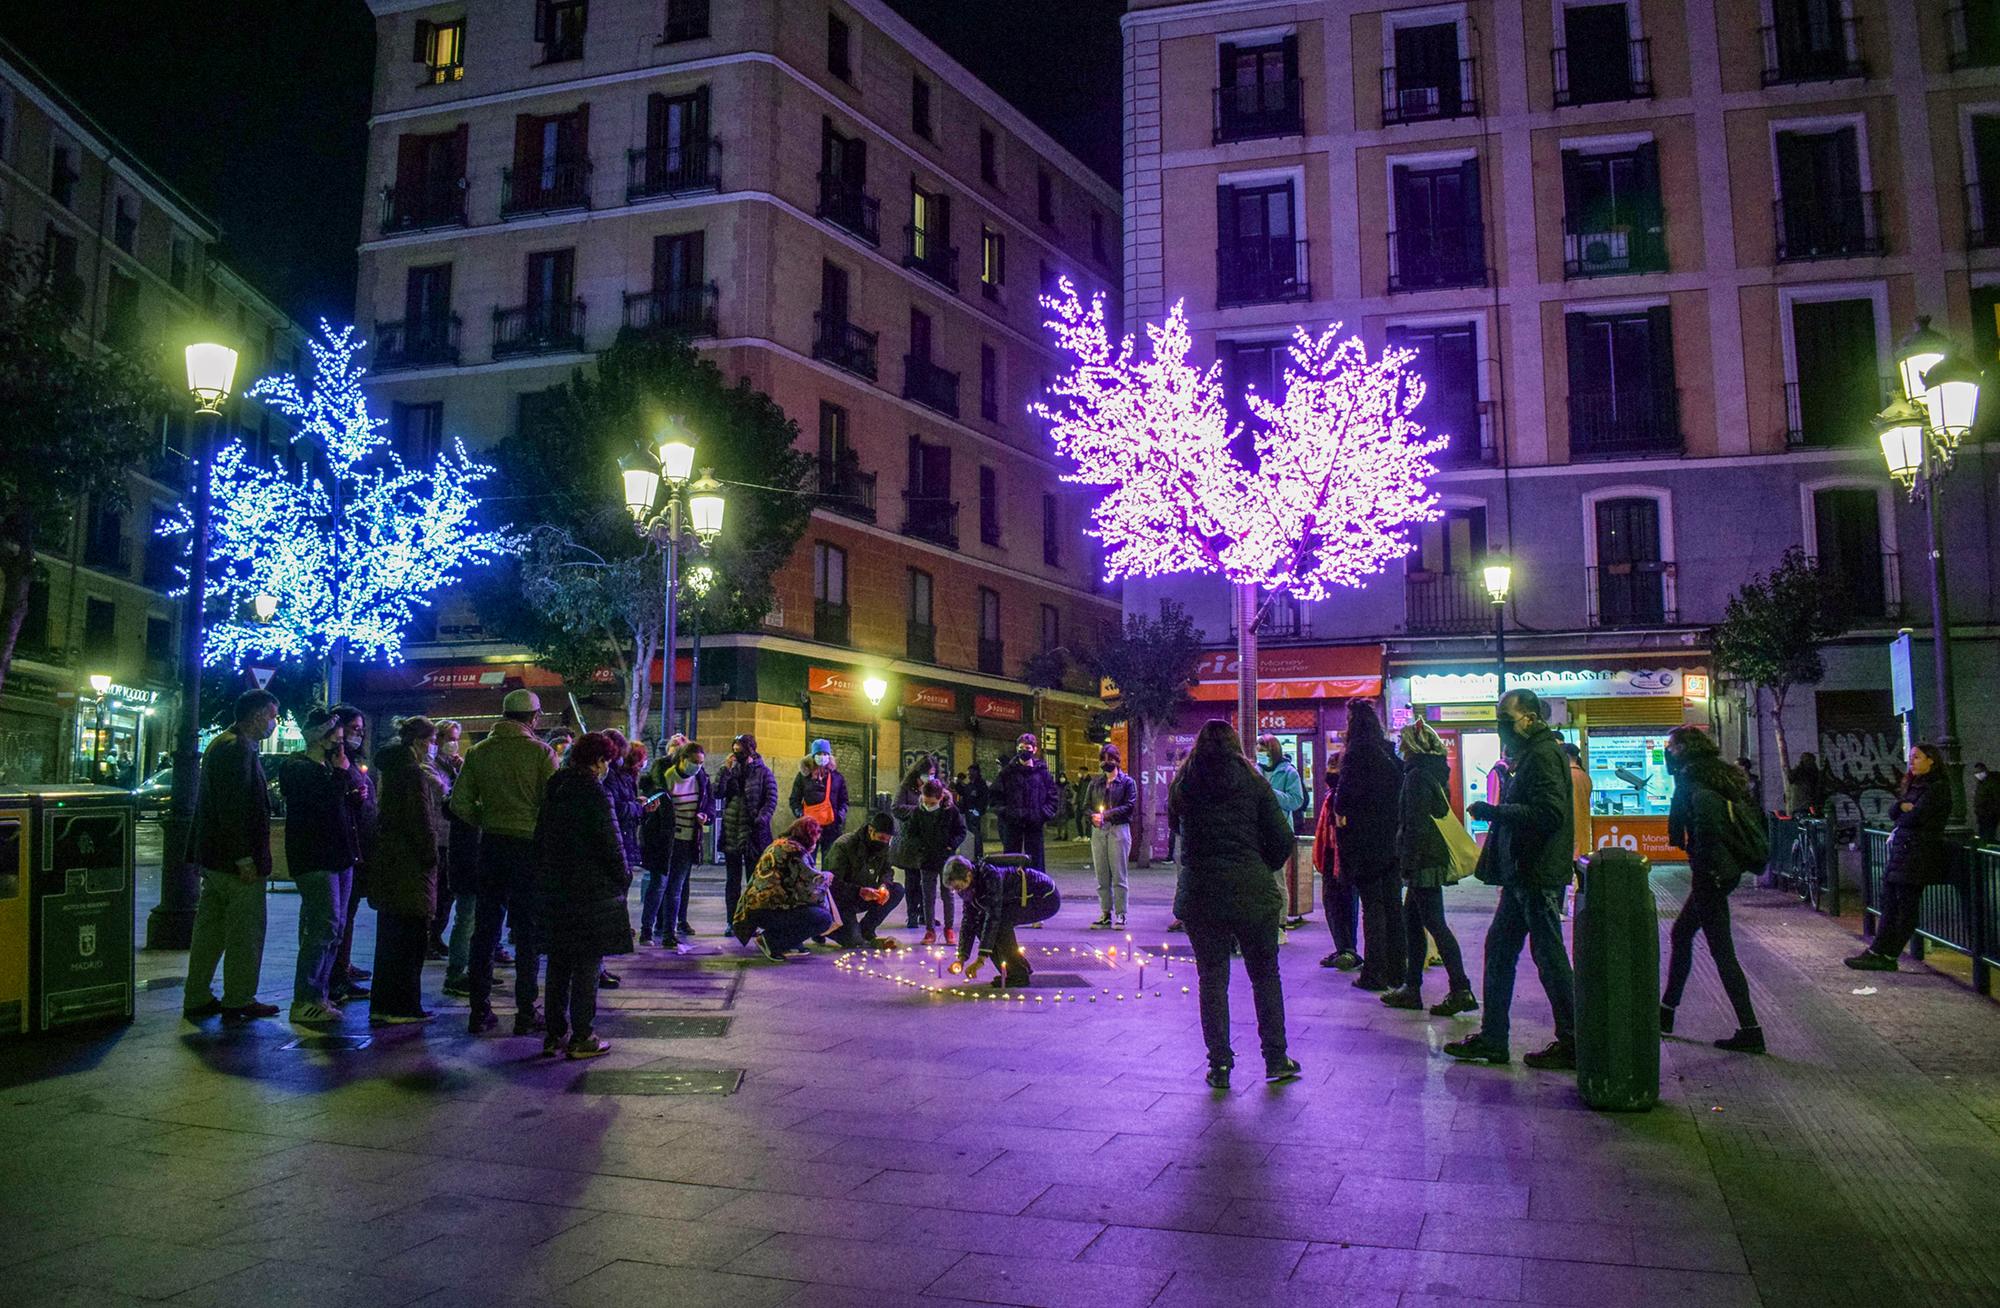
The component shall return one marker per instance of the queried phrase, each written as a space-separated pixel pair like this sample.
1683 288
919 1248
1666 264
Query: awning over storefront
1559 683
1301 672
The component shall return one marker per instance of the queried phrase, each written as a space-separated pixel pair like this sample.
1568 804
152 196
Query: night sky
256 110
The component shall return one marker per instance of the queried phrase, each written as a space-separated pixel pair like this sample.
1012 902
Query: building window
1051 628
848 489
418 430
63 174
59 266
1835 386
1974 31
1427 78
920 107
551 168
160 555
100 630
992 653
992 262
159 646
1045 196
830 613
922 633
104 544
429 188
1442 586
1448 361
1811 41
121 310
839 61
440 48
989 157
843 184
1622 398
180 264
1611 212
1259 258
125 223
1258 92
1629 585
989 383
1982 189
559 29
1847 545
687 20
678 150
989 506
35 622
1051 531
930 513
1251 368
1439 240
1599 60
1825 208
930 249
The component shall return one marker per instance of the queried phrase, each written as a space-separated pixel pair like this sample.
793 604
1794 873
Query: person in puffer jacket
1001 894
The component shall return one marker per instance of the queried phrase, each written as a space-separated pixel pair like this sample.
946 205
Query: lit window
441 50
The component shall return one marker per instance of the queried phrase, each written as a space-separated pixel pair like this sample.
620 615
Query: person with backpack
1714 817
1001 895
1424 859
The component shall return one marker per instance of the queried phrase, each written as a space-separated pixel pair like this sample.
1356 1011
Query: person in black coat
748 793
1000 895
1919 856
1029 799
1708 795
1234 837
1364 814
932 831
1424 862
580 887
863 884
975 796
1985 802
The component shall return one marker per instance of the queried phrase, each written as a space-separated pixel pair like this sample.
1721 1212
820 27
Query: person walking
976 797
1108 804
581 880
930 835
1029 800
748 793
349 981
1343 901
403 877
785 903
1985 802
1527 854
1424 862
1364 809
231 845
864 883
461 872
908 792
1233 838
1710 797
322 807
819 792
671 843
499 791
1919 856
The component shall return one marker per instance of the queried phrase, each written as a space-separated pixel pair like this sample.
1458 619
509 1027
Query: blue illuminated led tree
350 540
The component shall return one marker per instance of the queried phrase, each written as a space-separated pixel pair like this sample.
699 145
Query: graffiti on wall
1863 768
27 754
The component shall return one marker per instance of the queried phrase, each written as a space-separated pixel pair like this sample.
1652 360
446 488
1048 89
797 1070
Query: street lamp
874 688
1499 576
100 685
668 486
211 375
264 605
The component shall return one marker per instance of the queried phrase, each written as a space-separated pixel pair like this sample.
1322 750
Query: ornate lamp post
100 685
703 509
1499 577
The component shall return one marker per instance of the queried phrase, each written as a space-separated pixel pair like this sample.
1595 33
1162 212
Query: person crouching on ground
1425 862
864 885
1234 837
786 902
581 882
931 834
1000 896
403 884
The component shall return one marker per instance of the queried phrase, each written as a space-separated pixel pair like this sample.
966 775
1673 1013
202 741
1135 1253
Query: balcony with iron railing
1437 258
1250 111
1638 594
1624 422
1803 51
845 346
1431 97
847 206
1839 226
1982 217
545 188
417 343
1599 78
1974 37
423 205
831 622
1614 244
848 491
1470 427
683 168
920 642
1858 593
1442 603
926 252
929 385
992 657
1858 412
1266 271
932 518
550 327
673 310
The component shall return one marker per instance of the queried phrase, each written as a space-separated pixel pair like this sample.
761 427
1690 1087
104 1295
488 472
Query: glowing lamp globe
874 688
675 452
1951 396
100 683
211 370
1900 429
642 484
705 506
1917 354
1499 576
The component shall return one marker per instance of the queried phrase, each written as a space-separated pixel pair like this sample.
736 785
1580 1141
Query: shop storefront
32 713
115 736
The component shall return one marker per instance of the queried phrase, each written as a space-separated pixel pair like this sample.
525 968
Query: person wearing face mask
864 885
231 844
580 885
1108 805
1985 802
1919 856
1528 855
403 875
749 797
901 854
1364 810
1029 801
930 835
819 792
1709 796
1283 774
347 978
322 807
669 843
1343 901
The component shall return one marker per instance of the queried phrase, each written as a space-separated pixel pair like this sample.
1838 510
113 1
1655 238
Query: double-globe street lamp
211 373
1920 432
685 503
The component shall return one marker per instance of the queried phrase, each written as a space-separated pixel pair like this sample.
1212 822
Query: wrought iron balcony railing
417 343
929 385
1249 111
1437 257
676 310
844 345
1839 226
1421 98
1597 76
847 206
421 207
551 327
564 184
1264 271
679 169
1622 422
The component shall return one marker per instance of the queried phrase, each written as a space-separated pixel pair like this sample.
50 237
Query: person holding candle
1109 802
864 885
931 834
786 901
1001 895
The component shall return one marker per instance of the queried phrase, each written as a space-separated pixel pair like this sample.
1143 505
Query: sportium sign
1559 683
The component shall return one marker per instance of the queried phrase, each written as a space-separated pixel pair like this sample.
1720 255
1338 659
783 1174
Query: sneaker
457 987
770 954
1121 922
1454 1003
1282 1073
607 980
480 1021
683 948
552 1046
1344 960
1474 1049
930 935
1218 1078
1666 1019
400 1019
680 929
211 1008
1402 997
350 990
249 1012
529 1022
1102 923
646 940
950 936
1870 961
1556 1057
589 1046
668 942
309 1013
1747 1040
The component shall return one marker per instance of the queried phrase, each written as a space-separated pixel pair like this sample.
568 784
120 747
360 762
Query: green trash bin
1617 942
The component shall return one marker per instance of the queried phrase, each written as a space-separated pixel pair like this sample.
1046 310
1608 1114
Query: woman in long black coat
582 879
1364 814
1919 856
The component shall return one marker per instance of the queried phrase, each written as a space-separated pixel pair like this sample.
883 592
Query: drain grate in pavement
640 1081
322 1043
641 1026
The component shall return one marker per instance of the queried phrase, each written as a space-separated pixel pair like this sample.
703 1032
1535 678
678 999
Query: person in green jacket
1283 775
1528 855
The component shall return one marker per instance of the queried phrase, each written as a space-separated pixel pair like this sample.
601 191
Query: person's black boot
1218 1077
1747 1040
1282 1073
1666 1019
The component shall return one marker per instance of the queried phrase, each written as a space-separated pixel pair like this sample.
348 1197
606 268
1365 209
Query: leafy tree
590 583
1771 632
74 421
1152 662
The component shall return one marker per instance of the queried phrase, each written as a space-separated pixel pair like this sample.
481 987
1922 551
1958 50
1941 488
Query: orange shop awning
1295 672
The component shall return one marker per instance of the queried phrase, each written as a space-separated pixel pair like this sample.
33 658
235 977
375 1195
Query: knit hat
1419 738
881 821
521 701
820 747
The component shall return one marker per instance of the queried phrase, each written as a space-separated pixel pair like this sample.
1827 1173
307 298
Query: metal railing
678 310
1970 45
923 251
1435 603
849 492
1963 914
1800 51
1830 227
1805 858
1621 421
929 385
846 205
417 343
1859 430
831 622
844 345
1630 594
1433 258
1615 244
1262 272
1982 217
673 169
564 184
920 642
1430 97
428 204
992 657
546 328
1250 110
1605 81
932 518
1864 594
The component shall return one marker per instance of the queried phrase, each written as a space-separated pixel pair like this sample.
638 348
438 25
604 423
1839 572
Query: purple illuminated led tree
1340 473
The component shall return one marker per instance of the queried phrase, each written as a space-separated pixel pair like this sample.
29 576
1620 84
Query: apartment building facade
135 259
833 210
1653 256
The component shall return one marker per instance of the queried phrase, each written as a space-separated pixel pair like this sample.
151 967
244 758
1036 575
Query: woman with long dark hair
1364 815
1709 795
1424 862
1918 856
909 796
580 914
1233 838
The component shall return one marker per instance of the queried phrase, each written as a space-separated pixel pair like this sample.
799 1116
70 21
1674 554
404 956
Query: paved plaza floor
887 1146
